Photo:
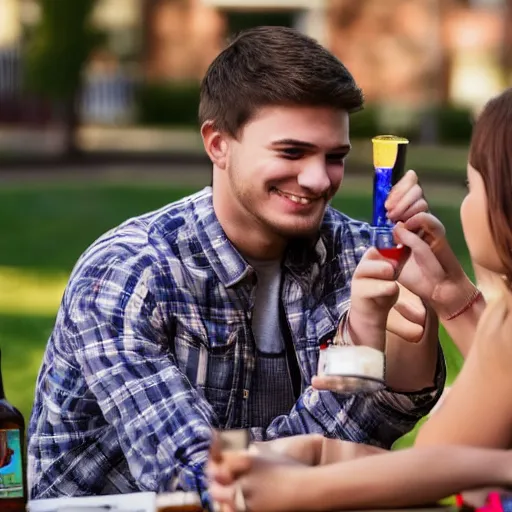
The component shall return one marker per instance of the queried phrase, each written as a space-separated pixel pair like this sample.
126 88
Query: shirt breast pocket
211 368
322 324
321 327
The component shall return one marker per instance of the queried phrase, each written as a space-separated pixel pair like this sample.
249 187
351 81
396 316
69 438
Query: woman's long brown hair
491 155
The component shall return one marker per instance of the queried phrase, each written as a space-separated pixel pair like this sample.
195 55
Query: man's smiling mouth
293 197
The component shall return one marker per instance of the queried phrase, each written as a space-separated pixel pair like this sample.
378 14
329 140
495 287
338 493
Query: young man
210 311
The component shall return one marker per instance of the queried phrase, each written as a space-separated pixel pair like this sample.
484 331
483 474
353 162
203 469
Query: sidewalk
129 145
48 142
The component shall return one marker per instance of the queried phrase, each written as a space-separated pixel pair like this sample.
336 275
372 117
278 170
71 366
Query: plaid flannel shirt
153 346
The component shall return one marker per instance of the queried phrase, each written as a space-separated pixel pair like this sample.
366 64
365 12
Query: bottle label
11 469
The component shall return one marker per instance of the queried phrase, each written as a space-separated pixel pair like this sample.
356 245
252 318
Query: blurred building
184 36
402 52
10 27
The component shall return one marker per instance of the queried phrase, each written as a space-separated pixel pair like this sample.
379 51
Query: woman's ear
215 143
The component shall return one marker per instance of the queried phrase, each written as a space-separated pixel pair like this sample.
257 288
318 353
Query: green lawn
44 230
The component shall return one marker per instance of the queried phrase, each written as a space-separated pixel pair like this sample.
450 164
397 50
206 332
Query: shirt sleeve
378 419
121 345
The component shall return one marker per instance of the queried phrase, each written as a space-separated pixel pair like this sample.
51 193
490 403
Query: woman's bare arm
418 476
411 477
305 449
313 449
478 409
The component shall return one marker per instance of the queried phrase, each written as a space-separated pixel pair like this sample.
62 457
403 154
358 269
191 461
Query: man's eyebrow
309 145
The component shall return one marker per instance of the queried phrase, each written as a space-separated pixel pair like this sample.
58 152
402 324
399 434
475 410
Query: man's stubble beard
294 230
248 202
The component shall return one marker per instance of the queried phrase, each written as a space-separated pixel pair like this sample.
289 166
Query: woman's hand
406 198
432 271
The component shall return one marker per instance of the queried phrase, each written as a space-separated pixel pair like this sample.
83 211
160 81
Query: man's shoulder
149 238
345 239
174 218
339 227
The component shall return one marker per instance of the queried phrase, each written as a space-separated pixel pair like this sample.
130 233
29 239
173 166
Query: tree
56 54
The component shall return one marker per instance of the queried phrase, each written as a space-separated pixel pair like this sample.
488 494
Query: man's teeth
295 199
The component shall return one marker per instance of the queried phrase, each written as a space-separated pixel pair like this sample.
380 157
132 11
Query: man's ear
215 143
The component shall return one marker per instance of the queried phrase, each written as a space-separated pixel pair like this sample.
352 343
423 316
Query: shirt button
246 394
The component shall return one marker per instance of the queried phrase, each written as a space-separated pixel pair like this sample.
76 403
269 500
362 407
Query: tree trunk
70 123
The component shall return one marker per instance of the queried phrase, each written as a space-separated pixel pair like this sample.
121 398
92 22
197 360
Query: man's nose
314 177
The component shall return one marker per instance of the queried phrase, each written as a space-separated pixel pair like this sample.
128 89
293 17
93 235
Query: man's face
285 166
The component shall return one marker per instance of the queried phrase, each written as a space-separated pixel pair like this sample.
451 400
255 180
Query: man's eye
336 158
292 153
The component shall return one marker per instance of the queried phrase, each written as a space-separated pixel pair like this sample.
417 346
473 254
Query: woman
314 473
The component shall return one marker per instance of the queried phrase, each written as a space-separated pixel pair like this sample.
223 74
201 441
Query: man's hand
239 480
383 310
374 291
224 468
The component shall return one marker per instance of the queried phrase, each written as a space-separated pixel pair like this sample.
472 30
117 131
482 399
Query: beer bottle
12 474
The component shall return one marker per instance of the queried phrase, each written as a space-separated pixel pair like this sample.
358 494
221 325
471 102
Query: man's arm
378 419
121 344
412 343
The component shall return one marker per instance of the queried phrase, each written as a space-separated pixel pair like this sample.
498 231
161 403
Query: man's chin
297 230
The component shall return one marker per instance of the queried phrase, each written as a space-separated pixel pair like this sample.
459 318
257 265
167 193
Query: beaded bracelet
475 296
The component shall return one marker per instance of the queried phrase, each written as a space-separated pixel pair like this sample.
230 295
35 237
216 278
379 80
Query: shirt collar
226 261
229 265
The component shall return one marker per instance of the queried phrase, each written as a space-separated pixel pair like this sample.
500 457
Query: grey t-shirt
271 390
265 317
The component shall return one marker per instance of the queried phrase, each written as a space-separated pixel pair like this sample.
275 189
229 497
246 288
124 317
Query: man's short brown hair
267 66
